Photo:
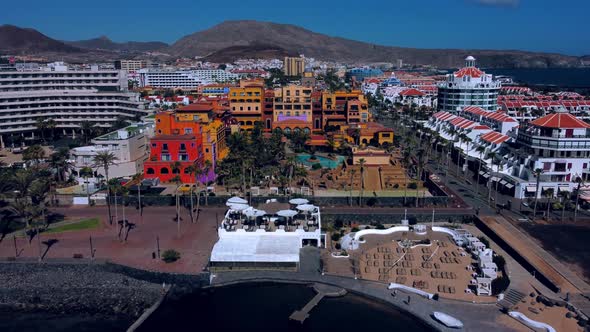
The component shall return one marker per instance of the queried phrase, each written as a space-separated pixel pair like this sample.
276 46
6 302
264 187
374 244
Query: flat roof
257 247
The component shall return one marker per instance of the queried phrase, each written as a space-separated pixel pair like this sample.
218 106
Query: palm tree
493 156
206 169
177 180
362 163
41 126
565 196
352 173
481 150
579 181
86 127
59 161
537 173
467 140
51 124
86 172
406 162
137 177
548 193
105 160
190 170
34 154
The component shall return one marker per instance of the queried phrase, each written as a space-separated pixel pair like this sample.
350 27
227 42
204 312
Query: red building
166 150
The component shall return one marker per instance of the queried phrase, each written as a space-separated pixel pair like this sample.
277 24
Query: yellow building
292 109
214 144
246 103
344 107
370 133
293 66
212 129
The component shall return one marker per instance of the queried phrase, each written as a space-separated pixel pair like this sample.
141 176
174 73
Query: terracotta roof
494 137
411 92
197 107
560 120
469 71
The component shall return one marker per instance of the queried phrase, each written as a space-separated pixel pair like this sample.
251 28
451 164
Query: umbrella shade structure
254 213
239 207
298 201
306 207
236 200
287 213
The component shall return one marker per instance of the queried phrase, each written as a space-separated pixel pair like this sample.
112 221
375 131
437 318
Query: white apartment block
66 96
130 145
183 79
469 86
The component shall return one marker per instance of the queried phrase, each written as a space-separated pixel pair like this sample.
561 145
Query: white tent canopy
286 213
257 248
236 200
306 207
298 201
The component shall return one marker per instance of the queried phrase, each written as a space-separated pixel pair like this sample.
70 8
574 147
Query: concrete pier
321 290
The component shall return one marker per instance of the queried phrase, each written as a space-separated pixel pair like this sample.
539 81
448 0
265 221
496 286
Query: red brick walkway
194 244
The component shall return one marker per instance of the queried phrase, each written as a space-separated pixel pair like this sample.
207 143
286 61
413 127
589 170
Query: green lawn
80 225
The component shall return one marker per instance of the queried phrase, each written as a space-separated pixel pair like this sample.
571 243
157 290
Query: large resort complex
432 191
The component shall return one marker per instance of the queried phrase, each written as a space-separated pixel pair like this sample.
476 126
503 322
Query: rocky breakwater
67 289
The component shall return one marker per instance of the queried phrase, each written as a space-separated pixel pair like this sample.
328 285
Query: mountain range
104 43
231 40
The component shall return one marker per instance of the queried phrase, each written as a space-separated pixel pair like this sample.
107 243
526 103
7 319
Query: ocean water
561 77
267 307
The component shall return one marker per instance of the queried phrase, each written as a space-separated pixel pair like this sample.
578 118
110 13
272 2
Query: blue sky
537 25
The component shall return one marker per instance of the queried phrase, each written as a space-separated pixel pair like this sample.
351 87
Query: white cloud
503 3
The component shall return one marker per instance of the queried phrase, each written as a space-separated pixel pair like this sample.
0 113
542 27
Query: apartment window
207 150
183 157
154 145
165 157
165 146
188 130
182 147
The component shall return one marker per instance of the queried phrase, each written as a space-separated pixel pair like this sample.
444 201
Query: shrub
170 256
338 223
484 241
371 201
354 229
395 186
337 246
316 166
413 185
335 237
367 227
499 285
379 226
500 262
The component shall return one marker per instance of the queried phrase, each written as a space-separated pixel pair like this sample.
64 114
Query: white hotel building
183 79
469 86
66 96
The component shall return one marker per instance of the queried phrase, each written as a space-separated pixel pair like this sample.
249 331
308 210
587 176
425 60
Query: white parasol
236 200
306 207
239 207
286 213
298 201
254 213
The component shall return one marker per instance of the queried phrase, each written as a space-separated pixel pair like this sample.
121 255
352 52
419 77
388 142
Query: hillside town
434 183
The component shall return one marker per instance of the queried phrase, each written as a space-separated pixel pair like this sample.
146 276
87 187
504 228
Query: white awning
563 187
509 185
531 189
487 175
257 248
482 172
495 178
503 182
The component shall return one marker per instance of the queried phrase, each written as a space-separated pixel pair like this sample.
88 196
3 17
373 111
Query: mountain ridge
105 43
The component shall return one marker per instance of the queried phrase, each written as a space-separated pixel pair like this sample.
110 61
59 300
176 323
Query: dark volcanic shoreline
73 289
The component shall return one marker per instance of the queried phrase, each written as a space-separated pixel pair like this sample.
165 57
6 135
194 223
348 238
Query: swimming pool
325 162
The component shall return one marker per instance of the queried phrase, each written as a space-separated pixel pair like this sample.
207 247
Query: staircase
511 298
